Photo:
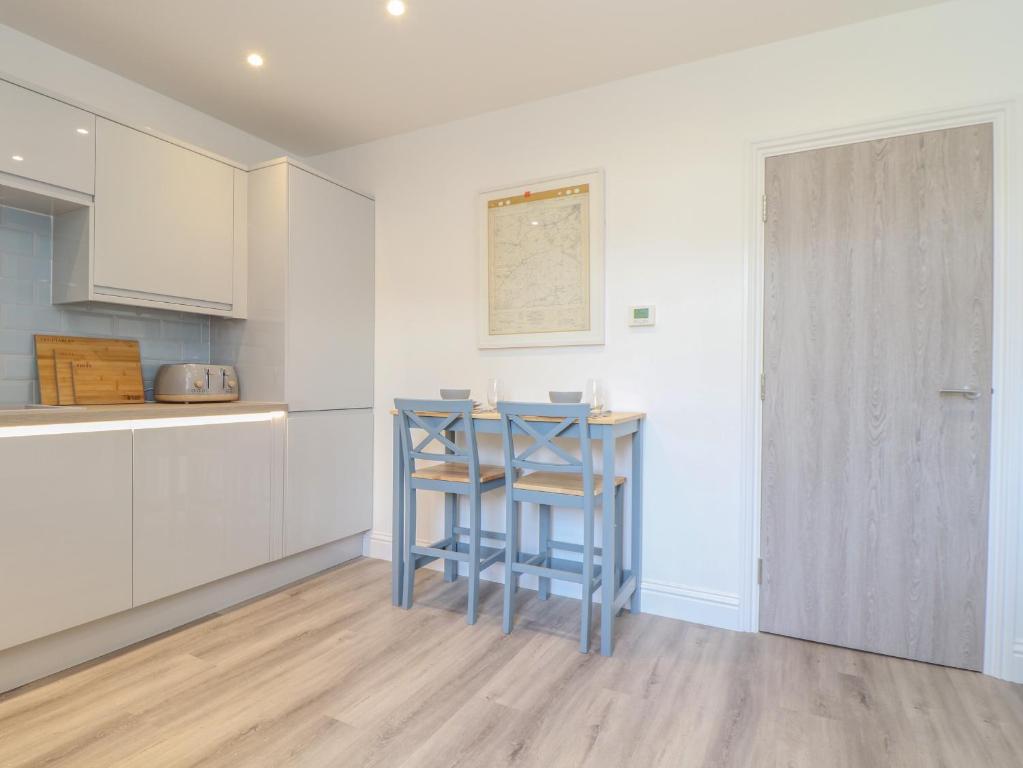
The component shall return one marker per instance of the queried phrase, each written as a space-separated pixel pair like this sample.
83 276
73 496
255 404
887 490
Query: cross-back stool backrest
556 419
435 418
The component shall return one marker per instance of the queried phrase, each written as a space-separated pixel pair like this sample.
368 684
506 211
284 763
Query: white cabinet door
202 504
330 295
328 492
164 221
48 137
65 532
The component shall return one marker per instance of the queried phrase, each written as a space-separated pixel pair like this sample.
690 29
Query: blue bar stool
566 482
458 473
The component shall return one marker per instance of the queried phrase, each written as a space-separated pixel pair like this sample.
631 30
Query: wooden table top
608 418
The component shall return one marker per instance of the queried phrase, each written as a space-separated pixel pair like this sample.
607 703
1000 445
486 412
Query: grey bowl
566 397
454 394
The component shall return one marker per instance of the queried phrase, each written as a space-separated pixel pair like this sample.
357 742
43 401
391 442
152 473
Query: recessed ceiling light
17 158
254 59
396 7
83 131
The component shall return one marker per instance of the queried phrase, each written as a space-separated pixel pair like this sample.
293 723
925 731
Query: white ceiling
342 72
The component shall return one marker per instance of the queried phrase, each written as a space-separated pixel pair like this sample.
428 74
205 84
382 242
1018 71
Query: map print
539 260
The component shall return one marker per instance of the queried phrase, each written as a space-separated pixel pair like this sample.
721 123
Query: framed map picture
542 263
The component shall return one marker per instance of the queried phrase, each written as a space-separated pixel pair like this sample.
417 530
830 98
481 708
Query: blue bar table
607 428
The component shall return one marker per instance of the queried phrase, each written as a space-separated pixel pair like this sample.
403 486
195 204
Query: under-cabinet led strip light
133 424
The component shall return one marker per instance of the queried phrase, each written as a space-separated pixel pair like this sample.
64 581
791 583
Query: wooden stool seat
458 473
563 483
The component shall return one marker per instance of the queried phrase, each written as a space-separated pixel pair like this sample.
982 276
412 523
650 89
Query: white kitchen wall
26 256
675 146
32 62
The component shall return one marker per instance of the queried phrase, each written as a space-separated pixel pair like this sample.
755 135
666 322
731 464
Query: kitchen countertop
80 414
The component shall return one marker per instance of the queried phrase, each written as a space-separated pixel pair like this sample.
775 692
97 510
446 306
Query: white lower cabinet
329 485
65 531
202 504
94 523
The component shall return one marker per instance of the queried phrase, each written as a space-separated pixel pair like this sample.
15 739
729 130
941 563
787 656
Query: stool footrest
426 555
625 591
563 570
496 556
535 559
567 546
446 550
461 530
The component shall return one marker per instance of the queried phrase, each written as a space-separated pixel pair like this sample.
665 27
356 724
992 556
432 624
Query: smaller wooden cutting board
104 382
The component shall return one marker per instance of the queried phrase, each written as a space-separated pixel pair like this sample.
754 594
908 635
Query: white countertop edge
89 417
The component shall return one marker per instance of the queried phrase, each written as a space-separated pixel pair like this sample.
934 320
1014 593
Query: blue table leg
607 558
637 513
397 517
450 521
619 544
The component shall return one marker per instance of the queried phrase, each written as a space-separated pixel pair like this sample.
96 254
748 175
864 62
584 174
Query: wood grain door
878 295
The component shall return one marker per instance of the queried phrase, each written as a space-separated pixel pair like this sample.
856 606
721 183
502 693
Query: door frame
1001 658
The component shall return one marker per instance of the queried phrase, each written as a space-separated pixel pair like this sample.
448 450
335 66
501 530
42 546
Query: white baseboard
700 606
377 545
39 658
1015 672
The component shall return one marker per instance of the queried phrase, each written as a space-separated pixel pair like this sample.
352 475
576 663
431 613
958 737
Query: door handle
969 394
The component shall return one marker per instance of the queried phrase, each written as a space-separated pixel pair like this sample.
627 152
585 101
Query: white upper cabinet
164 221
54 141
138 219
330 289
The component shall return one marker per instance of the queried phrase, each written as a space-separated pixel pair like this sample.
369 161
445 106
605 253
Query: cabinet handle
969 394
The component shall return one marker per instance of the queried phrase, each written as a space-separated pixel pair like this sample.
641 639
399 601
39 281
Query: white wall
675 145
31 62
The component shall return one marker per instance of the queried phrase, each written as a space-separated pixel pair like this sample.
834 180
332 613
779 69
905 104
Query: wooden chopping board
107 371
104 382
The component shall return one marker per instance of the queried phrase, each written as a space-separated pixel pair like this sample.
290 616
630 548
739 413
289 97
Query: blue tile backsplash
26 256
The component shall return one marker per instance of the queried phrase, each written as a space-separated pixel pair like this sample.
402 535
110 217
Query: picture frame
541 263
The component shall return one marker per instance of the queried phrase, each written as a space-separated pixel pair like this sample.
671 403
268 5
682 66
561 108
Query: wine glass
493 393
595 394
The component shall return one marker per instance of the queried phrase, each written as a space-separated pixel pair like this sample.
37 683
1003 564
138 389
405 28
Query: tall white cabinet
308 341
330 291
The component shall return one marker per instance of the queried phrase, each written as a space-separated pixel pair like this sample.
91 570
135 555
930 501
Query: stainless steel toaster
195 383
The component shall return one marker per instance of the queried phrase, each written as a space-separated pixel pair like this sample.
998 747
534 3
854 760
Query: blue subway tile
16 343
87 324
16 241
15 218
16 291
32 318
18 367
16 392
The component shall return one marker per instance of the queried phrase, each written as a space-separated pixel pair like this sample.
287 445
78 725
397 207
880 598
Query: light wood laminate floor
328 673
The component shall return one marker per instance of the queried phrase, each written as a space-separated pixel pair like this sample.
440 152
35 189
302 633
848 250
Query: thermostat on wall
643 315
